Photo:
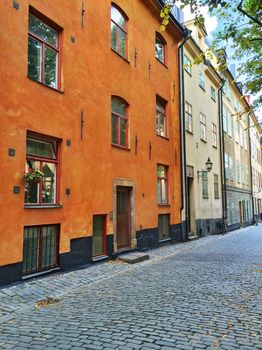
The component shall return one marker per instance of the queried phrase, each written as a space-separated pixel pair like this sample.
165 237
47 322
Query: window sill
47 86
119 55
216 197
205 197
163 204
120 147
202 88
163 137
98 258
39 273
164 240
37 206
214 146
190 132
163 63
213 99
203 140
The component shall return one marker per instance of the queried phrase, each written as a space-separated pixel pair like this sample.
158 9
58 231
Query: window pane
117 17
163 190
42 30
160 51
98 234
158 191
48 248
122 43
50 65
160 104
118 106
161 171
31 189
34 59
30 249
122 132
160 124
40 148
113 36
49 183
114 128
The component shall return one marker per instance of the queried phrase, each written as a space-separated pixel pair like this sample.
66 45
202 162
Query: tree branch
239 7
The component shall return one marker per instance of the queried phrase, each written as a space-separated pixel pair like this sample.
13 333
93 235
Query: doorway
99 235
123 215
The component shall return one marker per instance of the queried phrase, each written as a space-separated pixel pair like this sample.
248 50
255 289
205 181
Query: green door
99 235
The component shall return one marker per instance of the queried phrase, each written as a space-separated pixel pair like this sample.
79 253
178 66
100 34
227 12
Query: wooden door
123 218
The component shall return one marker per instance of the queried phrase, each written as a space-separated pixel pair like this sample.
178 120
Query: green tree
242 28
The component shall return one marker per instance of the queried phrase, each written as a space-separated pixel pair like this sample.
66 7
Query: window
42 155
163 226
247 177
238 170
118 31
236 131
216 188
245 139
241 136
201 80
243 174
224 119
226 166
160 48
229 129
162 195
227 90
119 122
203 134
187 65
231 168
189 125
40 248
43 52
214 135
204 185
161 127
213 93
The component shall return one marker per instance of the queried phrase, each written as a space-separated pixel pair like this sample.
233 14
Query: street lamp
209 166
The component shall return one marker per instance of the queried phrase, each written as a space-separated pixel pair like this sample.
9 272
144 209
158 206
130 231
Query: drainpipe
183 177
222 155
251 171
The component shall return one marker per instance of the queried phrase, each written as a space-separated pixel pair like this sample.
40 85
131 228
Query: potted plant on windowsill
33 176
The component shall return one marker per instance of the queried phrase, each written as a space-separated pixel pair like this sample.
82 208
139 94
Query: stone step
133 258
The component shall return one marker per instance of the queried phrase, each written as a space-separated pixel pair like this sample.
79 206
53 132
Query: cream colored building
256 164
236 150
203 198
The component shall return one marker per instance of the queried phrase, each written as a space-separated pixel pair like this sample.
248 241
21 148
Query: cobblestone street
204 294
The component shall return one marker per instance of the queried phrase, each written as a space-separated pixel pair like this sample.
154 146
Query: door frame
132 192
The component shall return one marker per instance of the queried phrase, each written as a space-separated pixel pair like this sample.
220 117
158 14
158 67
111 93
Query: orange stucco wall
90 73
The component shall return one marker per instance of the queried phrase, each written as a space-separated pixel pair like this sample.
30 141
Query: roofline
205 61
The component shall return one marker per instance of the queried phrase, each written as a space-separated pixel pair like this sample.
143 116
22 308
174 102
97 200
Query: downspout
222 155
251 171
183 178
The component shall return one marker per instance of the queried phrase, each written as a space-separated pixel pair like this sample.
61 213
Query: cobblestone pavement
204 294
